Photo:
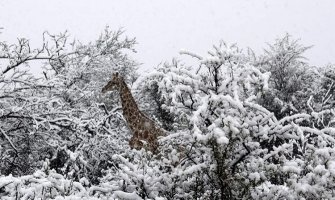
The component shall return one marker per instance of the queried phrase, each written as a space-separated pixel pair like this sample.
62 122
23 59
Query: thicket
240 125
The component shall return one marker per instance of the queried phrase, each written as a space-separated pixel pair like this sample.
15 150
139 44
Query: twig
8 139
241 158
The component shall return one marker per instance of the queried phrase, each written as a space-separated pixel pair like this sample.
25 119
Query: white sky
162 28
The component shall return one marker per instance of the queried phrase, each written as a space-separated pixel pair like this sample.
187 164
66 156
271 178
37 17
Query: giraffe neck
129 106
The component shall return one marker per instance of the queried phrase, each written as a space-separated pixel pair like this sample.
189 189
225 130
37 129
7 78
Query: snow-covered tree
223 141
292 80
60 114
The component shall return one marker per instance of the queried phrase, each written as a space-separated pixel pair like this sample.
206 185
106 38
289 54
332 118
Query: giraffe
145 131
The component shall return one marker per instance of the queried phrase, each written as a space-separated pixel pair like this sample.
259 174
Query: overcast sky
162 28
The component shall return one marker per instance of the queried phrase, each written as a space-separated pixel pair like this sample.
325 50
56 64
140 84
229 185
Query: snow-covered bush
235 147
61 113
45 184
42 186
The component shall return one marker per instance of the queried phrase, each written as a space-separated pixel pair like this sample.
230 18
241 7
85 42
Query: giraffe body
145 131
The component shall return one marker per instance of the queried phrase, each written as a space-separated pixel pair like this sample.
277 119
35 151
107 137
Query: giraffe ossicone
145 131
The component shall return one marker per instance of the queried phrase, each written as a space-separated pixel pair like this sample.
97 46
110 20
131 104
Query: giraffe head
113 84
